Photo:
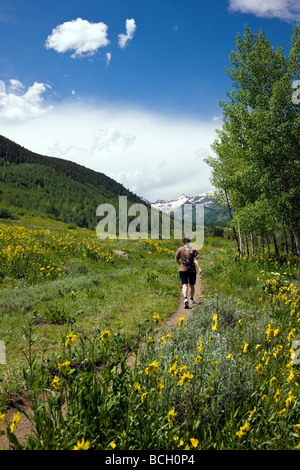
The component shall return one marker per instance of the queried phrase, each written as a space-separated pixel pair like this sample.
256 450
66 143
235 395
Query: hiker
186 257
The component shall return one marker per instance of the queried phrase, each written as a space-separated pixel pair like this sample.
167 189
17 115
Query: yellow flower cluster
25 250
154 245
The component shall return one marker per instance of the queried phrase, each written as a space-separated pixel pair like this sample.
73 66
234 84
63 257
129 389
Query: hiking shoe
192 301
186 303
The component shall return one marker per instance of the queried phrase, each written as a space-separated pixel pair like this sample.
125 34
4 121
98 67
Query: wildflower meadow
226 378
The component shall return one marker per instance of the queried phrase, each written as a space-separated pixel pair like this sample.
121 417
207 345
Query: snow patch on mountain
169 205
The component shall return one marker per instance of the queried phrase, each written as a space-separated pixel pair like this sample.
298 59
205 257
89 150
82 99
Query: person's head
186 240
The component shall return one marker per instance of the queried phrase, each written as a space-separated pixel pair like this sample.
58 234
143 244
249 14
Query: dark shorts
188 277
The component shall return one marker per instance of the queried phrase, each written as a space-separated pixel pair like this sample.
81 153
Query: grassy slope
92 291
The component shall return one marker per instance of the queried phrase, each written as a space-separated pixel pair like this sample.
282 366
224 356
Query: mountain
214 214
54 187
69 192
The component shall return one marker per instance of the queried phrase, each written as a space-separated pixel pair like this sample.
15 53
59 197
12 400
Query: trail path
181 311
25 427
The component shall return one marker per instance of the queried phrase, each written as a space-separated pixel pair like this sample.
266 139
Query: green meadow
73 307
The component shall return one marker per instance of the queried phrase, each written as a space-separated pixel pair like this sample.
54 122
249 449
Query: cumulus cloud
24 106
288 10
80 36
154 155
130 30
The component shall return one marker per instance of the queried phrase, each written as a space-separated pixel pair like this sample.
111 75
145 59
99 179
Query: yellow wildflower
277 395
288 401
297 428
144 396
105 335
2 417
272 381
181 322
150 340
185 379
15 421
291 333
243 429
56 383
171 416
159 387
82 445
70 338
64 367
197 359
252 412
215 324
245 347
277 350
151 369
173 370
291 376
229 356
158 319
113 445
194 442
137 387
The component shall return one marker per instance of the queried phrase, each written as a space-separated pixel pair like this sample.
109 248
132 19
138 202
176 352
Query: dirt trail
181 311
25 427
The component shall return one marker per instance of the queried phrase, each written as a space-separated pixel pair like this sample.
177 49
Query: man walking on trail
186 257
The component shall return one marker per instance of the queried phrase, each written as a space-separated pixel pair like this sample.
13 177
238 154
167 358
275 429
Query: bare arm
197 263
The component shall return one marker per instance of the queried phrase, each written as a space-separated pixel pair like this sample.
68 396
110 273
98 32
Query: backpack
189 262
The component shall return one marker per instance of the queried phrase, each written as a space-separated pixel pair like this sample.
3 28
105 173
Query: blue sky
129 88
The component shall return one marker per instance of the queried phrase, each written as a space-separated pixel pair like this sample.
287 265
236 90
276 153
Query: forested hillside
257 165
54 187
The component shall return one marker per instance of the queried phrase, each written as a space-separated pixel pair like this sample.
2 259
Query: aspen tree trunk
297 248
275 244
247 246
293 243
241 240
231 217
252 243
285 241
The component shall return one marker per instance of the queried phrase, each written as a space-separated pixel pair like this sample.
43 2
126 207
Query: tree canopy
257 149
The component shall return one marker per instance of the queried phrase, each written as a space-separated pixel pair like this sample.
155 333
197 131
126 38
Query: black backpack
189 263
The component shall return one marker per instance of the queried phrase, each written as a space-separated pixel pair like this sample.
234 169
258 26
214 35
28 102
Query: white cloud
2 87
153 155
16 84
107 138
288 10
108 57
130 30
24 106
80 36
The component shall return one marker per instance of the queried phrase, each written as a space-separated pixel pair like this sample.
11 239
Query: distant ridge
54 187
15 153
